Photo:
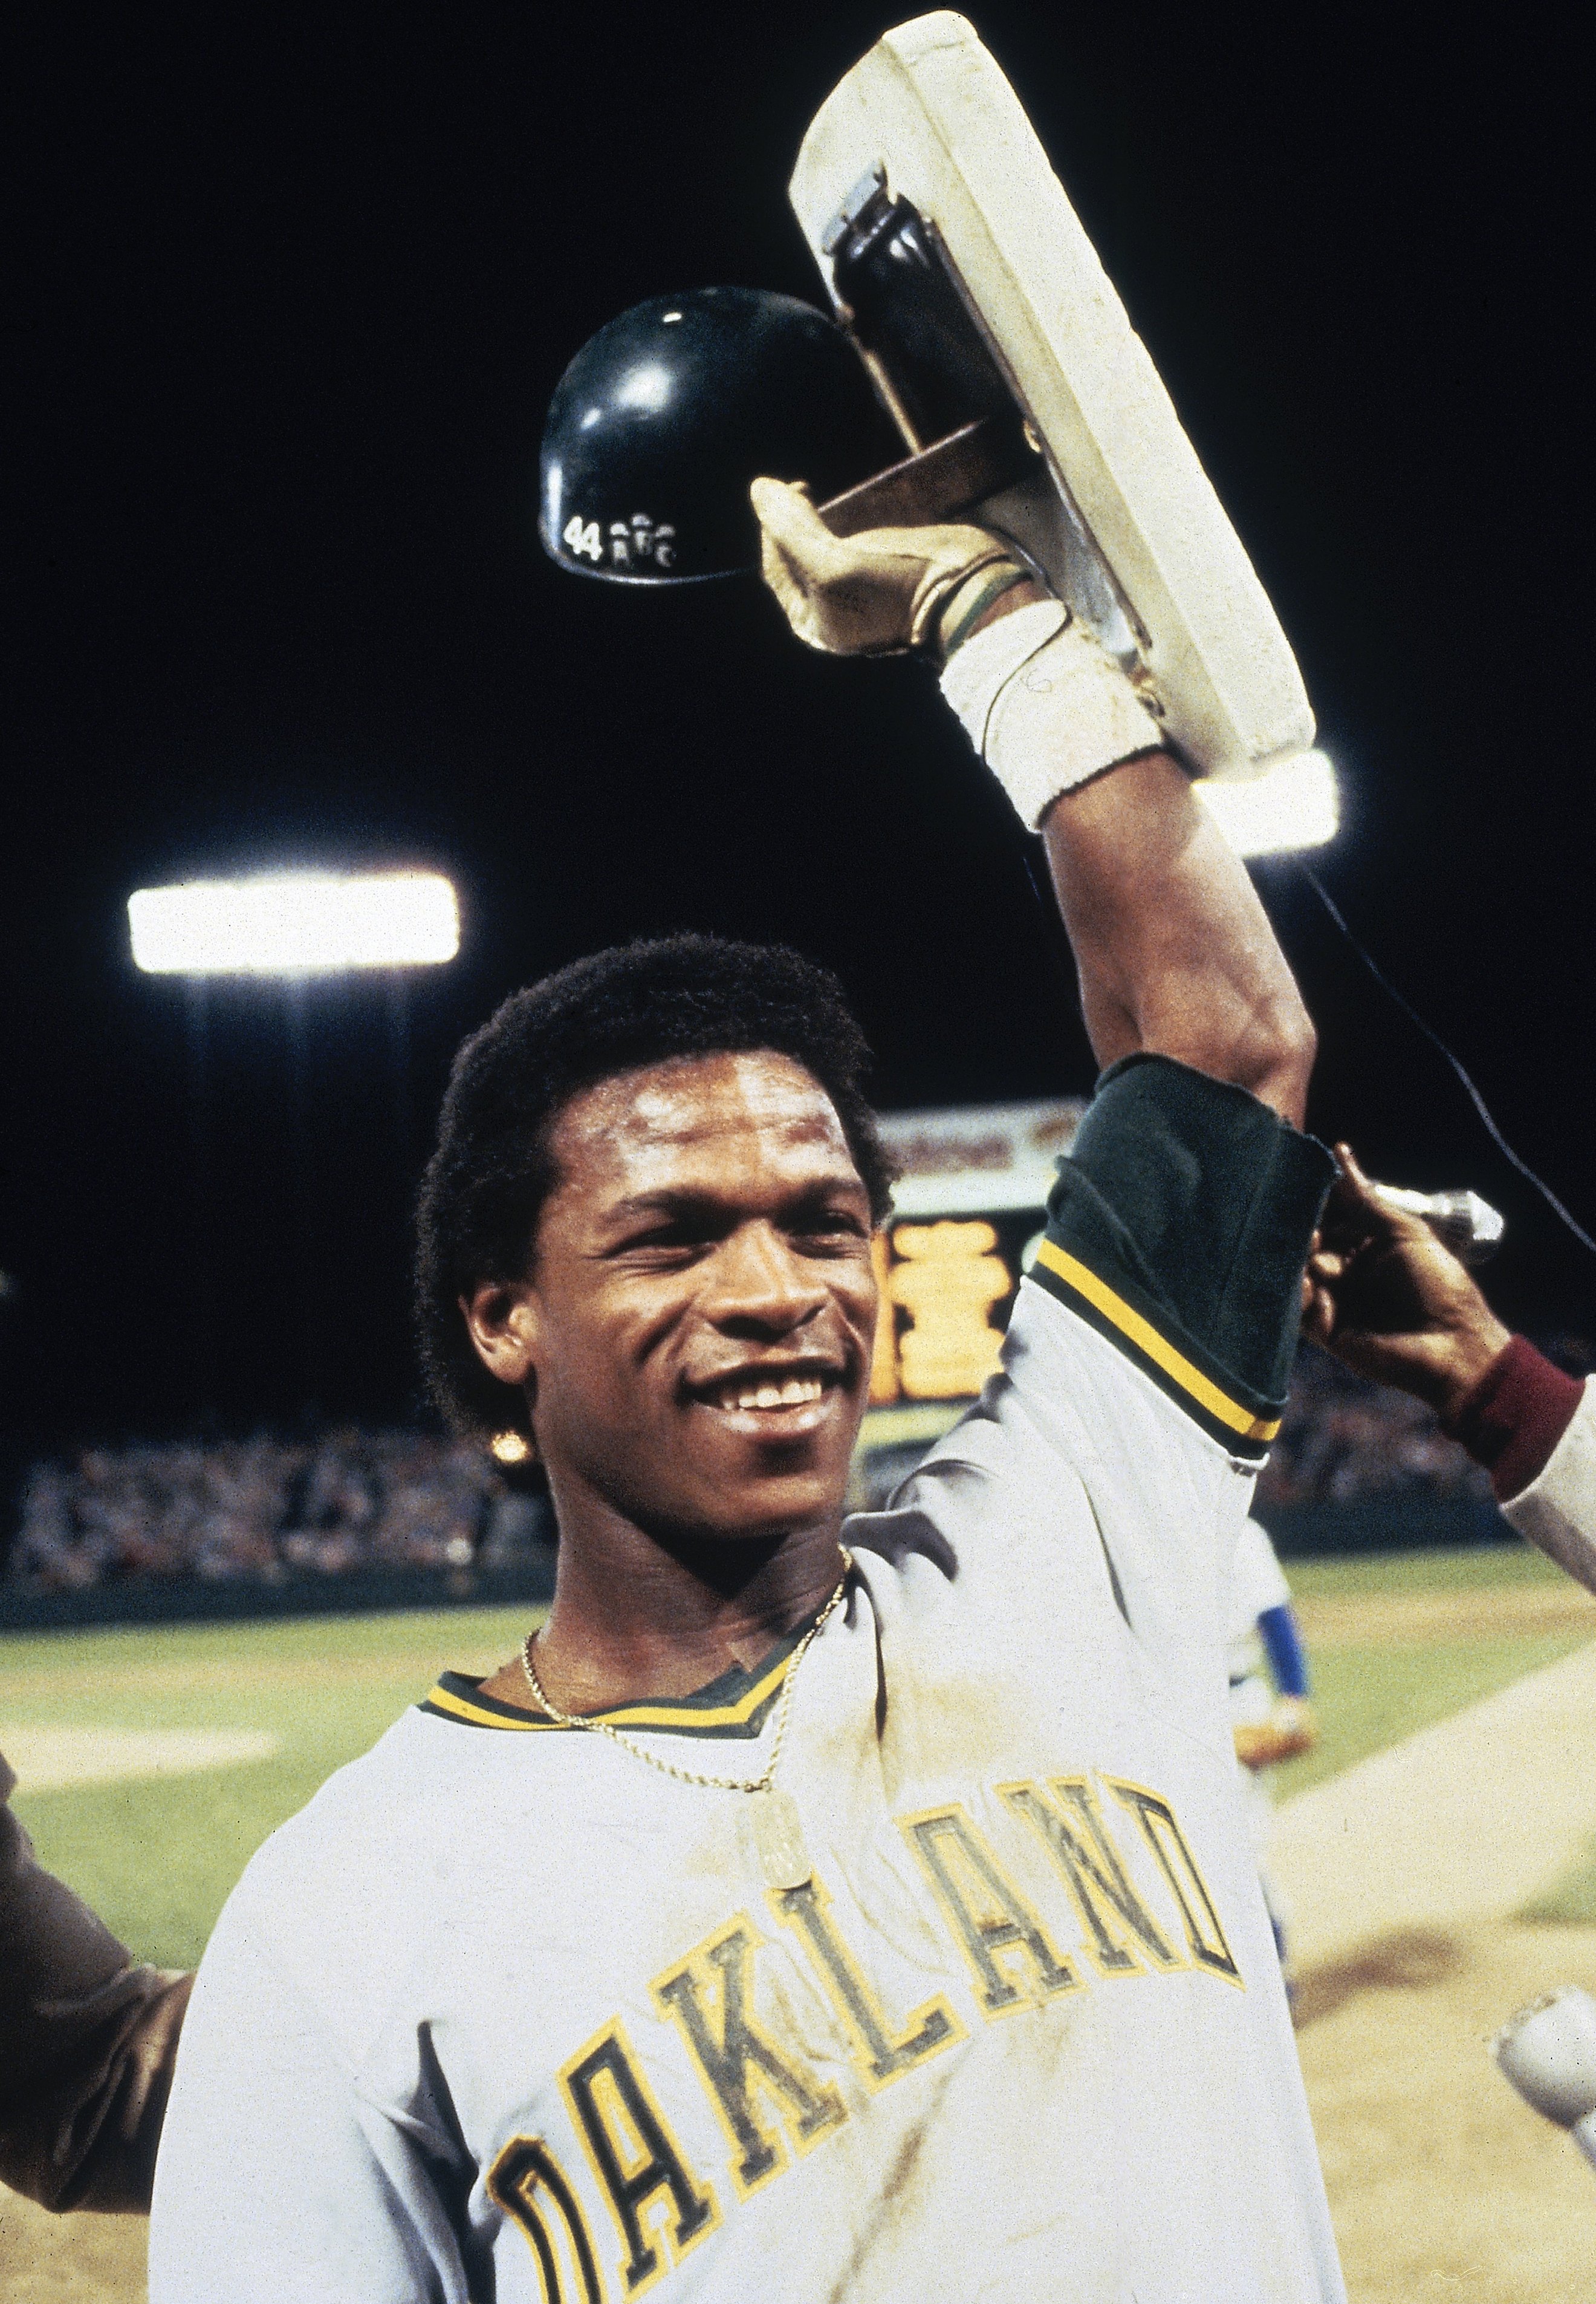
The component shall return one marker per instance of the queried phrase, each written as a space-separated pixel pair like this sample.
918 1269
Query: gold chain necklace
778 1832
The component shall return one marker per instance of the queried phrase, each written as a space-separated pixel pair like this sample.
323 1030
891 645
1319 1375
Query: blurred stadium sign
1294 806
975 1158
968 1210
295 924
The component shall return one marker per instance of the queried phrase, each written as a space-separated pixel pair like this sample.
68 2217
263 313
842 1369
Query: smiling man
817 1910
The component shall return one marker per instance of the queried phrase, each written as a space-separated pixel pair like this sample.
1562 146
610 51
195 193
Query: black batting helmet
664 416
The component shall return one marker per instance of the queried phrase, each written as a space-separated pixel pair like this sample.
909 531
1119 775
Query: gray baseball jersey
1557 1510
507 2013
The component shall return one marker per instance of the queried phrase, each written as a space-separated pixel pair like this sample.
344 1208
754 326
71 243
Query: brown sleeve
86 2042
1514 1416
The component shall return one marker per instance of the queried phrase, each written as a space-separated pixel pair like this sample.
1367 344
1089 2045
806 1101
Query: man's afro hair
634 1004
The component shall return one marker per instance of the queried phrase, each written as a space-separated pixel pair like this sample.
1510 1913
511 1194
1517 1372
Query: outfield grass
1463 1568
1571 1899
1369 1696
159 1857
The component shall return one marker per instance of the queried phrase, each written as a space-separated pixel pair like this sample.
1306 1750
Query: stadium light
1293 806
295 924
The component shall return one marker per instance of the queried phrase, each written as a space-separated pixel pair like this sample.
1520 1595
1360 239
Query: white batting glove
876 593
1043 703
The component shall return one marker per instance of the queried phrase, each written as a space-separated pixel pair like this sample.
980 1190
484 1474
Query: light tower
289 927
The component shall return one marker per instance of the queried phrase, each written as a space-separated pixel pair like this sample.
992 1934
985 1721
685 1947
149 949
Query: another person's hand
875 594
1290 1728
1386 1297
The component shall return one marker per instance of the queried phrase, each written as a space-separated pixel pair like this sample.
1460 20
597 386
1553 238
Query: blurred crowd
265 1510
269 1509
1345 1441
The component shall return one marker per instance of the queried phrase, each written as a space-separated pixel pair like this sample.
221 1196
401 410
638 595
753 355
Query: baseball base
1133 535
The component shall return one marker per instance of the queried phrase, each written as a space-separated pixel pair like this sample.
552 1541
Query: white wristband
1045 705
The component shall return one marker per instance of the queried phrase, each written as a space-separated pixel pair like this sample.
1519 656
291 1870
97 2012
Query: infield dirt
1445 2187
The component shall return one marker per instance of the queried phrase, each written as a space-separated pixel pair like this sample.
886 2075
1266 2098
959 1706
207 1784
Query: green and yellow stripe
735 1705
1175 1374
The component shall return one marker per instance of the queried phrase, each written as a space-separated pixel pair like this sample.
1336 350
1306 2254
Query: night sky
294 293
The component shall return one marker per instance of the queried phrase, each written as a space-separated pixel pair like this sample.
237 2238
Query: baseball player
817 1910
1388 1299
87 2041
1271 1717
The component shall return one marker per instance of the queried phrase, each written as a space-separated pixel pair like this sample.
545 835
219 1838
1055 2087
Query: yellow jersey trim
1162 1353
458 1707
684 1714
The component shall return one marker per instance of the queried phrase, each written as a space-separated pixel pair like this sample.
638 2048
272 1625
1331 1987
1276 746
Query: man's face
700 1312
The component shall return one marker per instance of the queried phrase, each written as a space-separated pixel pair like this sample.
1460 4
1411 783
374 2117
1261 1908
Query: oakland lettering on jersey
708 1996
528 2183
989 1915
1071 1831
635 2157
877 2057
1178 1865
767 2099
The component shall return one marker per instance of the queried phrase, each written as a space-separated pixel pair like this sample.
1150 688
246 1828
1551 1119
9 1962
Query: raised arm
1174 953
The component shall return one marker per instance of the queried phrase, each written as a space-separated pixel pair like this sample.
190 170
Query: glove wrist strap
969 601
942 587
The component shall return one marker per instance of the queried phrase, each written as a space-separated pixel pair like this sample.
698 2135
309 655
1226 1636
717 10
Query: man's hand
1384 1296
1175 953
1289 1729
875 594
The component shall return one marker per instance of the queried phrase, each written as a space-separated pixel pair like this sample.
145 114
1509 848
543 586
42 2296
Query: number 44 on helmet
980 366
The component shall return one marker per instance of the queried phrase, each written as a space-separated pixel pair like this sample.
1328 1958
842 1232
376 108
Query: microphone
1461 1221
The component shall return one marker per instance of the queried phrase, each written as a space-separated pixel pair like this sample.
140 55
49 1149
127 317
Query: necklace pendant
779 1836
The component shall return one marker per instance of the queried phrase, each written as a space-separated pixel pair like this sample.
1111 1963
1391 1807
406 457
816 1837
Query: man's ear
501 1317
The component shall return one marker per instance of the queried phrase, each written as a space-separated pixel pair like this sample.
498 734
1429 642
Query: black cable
1063 960
1436 1042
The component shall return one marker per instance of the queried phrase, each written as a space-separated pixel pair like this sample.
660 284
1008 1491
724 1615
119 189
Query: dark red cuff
1514 1416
